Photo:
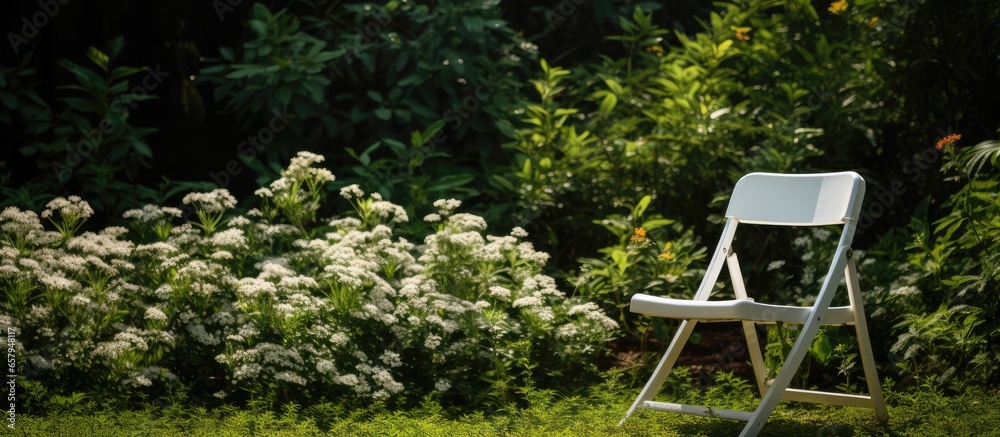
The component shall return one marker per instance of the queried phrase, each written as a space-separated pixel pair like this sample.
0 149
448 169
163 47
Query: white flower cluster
302 166
19 223
152 214
230 239
103 245
352 191
385 210
216 201
447 206
353 311
73 206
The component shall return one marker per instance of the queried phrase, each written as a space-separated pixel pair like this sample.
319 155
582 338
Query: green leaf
614 86
450 182
142 148
821 348
651 224
620 259
98 57
259 27
241 71
397 146
284 96
8 99
403 114
117 45
122 72
640 207
87 77
607 104
83 104
474 24
418 138
410 80
374 95
383 113
503 182
723 46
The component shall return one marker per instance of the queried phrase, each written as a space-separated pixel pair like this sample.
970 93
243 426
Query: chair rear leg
864 343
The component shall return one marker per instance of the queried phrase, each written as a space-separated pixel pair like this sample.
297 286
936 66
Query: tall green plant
950 339
88 145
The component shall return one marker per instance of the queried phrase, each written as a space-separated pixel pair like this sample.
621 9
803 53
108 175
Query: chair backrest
797 199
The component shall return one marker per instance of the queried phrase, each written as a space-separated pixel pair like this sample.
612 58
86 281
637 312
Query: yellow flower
639 236
666 252
838 6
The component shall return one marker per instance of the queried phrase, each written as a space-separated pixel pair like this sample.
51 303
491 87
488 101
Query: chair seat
726 310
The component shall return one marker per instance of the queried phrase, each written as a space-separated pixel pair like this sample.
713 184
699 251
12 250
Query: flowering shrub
652 254
269 305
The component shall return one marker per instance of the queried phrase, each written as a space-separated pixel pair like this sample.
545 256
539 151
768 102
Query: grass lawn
913 412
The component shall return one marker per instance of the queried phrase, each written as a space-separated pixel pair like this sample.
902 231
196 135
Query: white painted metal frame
779 200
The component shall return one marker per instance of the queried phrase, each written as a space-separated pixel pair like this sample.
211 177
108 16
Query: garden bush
85 137
942 303
275 304
435 80
596 159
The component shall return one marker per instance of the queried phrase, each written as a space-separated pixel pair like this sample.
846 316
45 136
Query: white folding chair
780 200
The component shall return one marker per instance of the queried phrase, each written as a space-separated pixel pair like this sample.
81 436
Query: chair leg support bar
698 410
663 369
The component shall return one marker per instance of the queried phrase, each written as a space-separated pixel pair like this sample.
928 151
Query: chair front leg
801 346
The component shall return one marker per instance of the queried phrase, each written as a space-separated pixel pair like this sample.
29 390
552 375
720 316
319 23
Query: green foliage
651 253
976 157
911 412
88 146
280 66
781 338
937 345
420 101
680 116
417 86
18 94
945 336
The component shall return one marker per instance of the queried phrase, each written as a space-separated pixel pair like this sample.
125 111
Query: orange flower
742 33
948 141
639 236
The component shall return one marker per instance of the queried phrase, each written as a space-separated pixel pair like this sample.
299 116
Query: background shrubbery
577 122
